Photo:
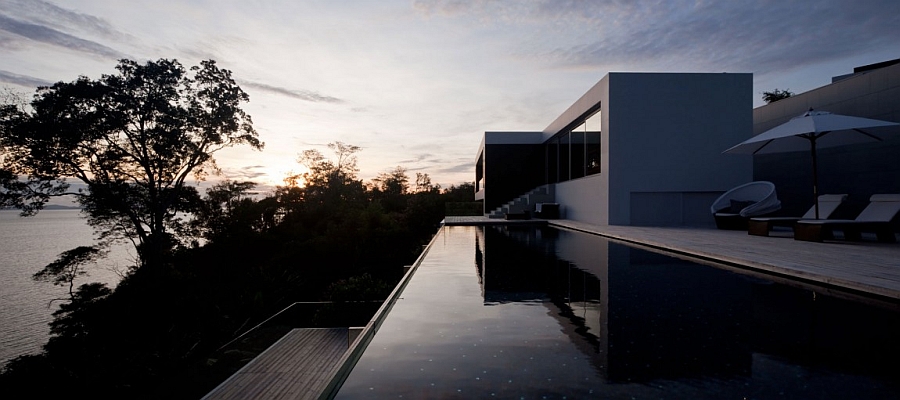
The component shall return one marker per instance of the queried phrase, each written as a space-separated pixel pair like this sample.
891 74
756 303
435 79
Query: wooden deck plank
298 366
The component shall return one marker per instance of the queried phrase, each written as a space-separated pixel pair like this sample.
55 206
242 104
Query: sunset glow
416 83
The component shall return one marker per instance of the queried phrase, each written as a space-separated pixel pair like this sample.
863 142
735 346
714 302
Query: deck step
524 203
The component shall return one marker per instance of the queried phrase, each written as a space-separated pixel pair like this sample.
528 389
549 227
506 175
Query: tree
391 190
393 182
776 95
326 181
68 266
133 138
324 172
229 210
423 183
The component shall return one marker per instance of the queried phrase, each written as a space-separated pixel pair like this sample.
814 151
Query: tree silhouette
68 266
423 183
134 138
393 182
776 95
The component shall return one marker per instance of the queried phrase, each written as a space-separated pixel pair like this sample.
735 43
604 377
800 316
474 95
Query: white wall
583 199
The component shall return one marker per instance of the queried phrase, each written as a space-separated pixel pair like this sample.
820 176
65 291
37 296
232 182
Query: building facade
636 149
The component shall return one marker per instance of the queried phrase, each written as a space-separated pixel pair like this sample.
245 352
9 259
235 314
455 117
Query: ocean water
26 246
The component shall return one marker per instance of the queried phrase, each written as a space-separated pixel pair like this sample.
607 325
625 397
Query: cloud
53 37
305 95
22 80
51 14
753 36
443 7
466 167
483 10
418 158
246 173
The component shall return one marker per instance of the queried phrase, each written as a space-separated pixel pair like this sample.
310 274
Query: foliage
394 182
323 172
423 183
230 210
472 208
329 237
133 138
390 189
776 95
358 288
68 266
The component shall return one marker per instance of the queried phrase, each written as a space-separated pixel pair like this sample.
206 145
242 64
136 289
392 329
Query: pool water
544 313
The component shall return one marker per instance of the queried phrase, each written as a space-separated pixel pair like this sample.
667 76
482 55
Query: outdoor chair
733 208
828 203
875 218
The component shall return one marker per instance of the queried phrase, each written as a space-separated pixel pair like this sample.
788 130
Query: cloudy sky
415 83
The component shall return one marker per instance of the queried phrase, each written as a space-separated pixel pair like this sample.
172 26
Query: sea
27 244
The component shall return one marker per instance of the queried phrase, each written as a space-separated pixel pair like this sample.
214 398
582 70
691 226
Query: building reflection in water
641 316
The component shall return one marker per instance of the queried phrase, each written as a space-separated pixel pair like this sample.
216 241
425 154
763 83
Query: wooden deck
868 267
299 366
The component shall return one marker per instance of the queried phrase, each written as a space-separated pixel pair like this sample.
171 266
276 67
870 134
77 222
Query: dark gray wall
511 170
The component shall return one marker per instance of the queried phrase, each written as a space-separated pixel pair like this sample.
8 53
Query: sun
276 174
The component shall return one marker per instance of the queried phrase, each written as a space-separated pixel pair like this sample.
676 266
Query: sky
415 83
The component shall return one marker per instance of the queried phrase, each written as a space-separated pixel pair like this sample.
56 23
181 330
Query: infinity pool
540 313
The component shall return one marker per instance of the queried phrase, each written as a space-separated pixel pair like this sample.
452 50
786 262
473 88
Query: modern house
636 149
859 170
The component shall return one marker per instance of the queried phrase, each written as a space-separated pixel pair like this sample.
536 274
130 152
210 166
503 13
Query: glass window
553 160
592 139
564 157
577 154
592 160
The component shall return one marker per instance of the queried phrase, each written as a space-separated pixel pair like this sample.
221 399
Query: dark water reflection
543 313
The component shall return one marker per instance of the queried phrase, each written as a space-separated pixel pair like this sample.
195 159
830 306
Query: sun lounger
828 203
875 218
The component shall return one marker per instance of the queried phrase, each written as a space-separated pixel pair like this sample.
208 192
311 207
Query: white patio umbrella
808 131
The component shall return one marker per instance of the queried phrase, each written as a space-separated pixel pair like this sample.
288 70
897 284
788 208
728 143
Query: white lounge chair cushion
881 208
828 203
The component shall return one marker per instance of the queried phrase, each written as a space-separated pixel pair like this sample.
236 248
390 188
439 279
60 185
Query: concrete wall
858 170
667 134
583 199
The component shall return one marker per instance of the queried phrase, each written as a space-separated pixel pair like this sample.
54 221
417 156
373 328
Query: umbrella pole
812 145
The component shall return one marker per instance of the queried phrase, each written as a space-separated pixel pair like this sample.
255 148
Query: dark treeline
209 266
156 334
